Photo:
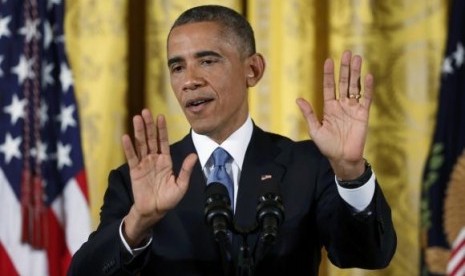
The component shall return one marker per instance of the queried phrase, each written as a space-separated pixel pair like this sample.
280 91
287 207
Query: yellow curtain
96 41
285 34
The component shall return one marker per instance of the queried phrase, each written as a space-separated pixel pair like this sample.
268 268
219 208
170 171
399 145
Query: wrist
345 170
136 229
360 180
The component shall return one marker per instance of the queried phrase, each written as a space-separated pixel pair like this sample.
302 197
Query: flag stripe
7 267
457 259
75 203
58 254
81 180
459 268
26 260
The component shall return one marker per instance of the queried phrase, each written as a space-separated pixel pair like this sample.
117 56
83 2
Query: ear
255 69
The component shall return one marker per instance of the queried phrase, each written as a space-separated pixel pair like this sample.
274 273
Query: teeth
198 102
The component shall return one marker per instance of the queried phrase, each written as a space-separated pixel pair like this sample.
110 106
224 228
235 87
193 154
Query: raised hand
341 135
155 187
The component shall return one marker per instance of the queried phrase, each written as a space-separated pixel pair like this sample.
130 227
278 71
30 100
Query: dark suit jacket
315 216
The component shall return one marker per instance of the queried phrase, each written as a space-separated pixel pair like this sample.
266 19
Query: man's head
233 24
211 67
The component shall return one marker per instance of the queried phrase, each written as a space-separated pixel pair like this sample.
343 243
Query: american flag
443 195
44 206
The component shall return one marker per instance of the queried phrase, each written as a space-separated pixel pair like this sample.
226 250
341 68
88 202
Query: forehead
191 36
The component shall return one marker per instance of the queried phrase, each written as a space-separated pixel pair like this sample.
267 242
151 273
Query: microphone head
217 204
270 202
217 191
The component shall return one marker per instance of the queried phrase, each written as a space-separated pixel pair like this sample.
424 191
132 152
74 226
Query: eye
208 61
175 68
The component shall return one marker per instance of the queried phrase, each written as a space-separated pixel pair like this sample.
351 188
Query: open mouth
197 102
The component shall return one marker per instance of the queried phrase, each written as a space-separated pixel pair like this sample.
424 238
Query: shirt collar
236 144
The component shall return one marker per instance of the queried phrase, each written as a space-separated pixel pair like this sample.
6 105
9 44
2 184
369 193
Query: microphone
218 215
218 212
270 215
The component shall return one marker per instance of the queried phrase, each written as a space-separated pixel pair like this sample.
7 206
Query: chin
201 128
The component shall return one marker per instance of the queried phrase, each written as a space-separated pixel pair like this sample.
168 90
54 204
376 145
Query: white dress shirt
236 145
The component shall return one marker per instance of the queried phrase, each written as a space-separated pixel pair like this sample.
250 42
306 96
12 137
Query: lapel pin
266 176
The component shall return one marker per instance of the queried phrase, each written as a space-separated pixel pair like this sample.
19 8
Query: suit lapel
195 196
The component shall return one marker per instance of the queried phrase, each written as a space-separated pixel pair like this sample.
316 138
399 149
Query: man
152 219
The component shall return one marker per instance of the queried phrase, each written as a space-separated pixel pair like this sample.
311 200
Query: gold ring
354 96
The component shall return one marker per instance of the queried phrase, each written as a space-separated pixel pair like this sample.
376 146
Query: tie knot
219 173
220 157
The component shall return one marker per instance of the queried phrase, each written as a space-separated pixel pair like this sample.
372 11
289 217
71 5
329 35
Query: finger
129 152
328 80
355 71
151 131
344 74
310 117
162 133
186 171
140 136
368 88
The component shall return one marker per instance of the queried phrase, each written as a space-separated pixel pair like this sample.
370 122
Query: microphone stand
223 238
245 262
270 214
218 215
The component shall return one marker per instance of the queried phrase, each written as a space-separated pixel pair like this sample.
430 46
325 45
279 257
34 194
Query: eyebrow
174 60
197 55
207 53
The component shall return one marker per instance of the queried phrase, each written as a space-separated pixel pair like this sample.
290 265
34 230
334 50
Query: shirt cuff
136 251
359 198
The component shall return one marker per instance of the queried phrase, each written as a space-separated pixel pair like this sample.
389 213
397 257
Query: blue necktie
219 173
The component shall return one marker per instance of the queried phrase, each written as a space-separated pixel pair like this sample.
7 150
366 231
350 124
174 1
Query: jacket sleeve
364 239
104 252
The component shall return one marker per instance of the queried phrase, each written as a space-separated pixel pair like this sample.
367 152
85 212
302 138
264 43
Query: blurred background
117 54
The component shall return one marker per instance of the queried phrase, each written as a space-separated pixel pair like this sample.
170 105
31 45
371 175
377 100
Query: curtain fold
96 38
286 34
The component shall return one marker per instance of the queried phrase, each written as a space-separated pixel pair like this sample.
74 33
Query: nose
193 79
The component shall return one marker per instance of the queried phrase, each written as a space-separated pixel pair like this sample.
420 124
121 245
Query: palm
155 188
341 135
154 185
342 132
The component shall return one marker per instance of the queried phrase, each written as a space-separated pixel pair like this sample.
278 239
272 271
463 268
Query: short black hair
229 19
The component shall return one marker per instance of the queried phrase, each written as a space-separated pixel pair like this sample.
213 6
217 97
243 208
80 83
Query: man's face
209 78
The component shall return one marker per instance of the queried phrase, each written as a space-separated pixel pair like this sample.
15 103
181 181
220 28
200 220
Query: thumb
186 171
307 111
